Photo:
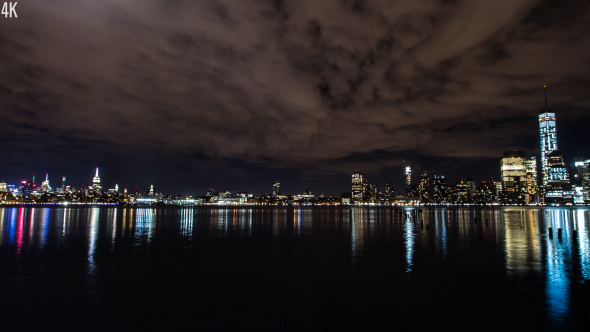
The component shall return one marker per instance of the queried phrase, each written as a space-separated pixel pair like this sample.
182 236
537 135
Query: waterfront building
357 187
440 190
425 188
583 170
531 179
558 189
514 177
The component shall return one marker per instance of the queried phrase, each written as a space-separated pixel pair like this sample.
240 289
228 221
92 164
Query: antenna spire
545 89
97 171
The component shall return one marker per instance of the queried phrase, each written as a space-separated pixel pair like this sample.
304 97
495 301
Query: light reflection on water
520 235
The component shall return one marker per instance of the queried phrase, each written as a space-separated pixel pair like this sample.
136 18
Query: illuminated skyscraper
548 133
96 182
408 179
151 190
558 189
45 184
357 187
425 188
583 168
276 189
514 182
531 178
440 190
63 183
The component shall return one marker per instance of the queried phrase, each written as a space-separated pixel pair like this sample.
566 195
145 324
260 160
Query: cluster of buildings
519 184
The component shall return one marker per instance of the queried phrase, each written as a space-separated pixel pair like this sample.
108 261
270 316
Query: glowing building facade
583 168
408 180
514 177
357 187
531 179
558 189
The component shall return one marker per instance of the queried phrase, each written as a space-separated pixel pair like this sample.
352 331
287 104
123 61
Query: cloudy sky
233 95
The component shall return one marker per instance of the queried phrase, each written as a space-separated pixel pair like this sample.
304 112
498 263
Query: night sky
232 95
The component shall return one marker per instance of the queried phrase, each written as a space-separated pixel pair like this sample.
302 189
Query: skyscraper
558 189
514 182
408 180
531 178
548 134
583 168
357 187
96 182
63 183
276 189
425 188
45 184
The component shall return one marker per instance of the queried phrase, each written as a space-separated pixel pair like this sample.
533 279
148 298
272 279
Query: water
94 268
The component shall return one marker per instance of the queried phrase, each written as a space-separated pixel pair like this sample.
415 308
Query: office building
514 177
558 189
531 180
276 189
357 187
583 177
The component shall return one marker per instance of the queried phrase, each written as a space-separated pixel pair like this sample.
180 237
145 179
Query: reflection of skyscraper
547 129
357 187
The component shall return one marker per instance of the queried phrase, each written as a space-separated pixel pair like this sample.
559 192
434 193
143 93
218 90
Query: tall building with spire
96 182
547 131
45 184
408 180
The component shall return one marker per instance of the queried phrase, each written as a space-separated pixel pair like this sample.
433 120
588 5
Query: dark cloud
214 90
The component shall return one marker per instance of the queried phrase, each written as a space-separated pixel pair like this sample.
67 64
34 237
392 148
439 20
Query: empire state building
96 182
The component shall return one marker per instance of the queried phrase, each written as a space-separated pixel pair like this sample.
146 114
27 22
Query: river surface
278 269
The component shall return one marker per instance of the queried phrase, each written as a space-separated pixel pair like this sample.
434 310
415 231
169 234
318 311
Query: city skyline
548 143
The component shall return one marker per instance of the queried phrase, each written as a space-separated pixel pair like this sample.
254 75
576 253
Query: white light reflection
2 225
144 223
114 232
583 243
409 246
92 243
44 228
186 222
557 287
